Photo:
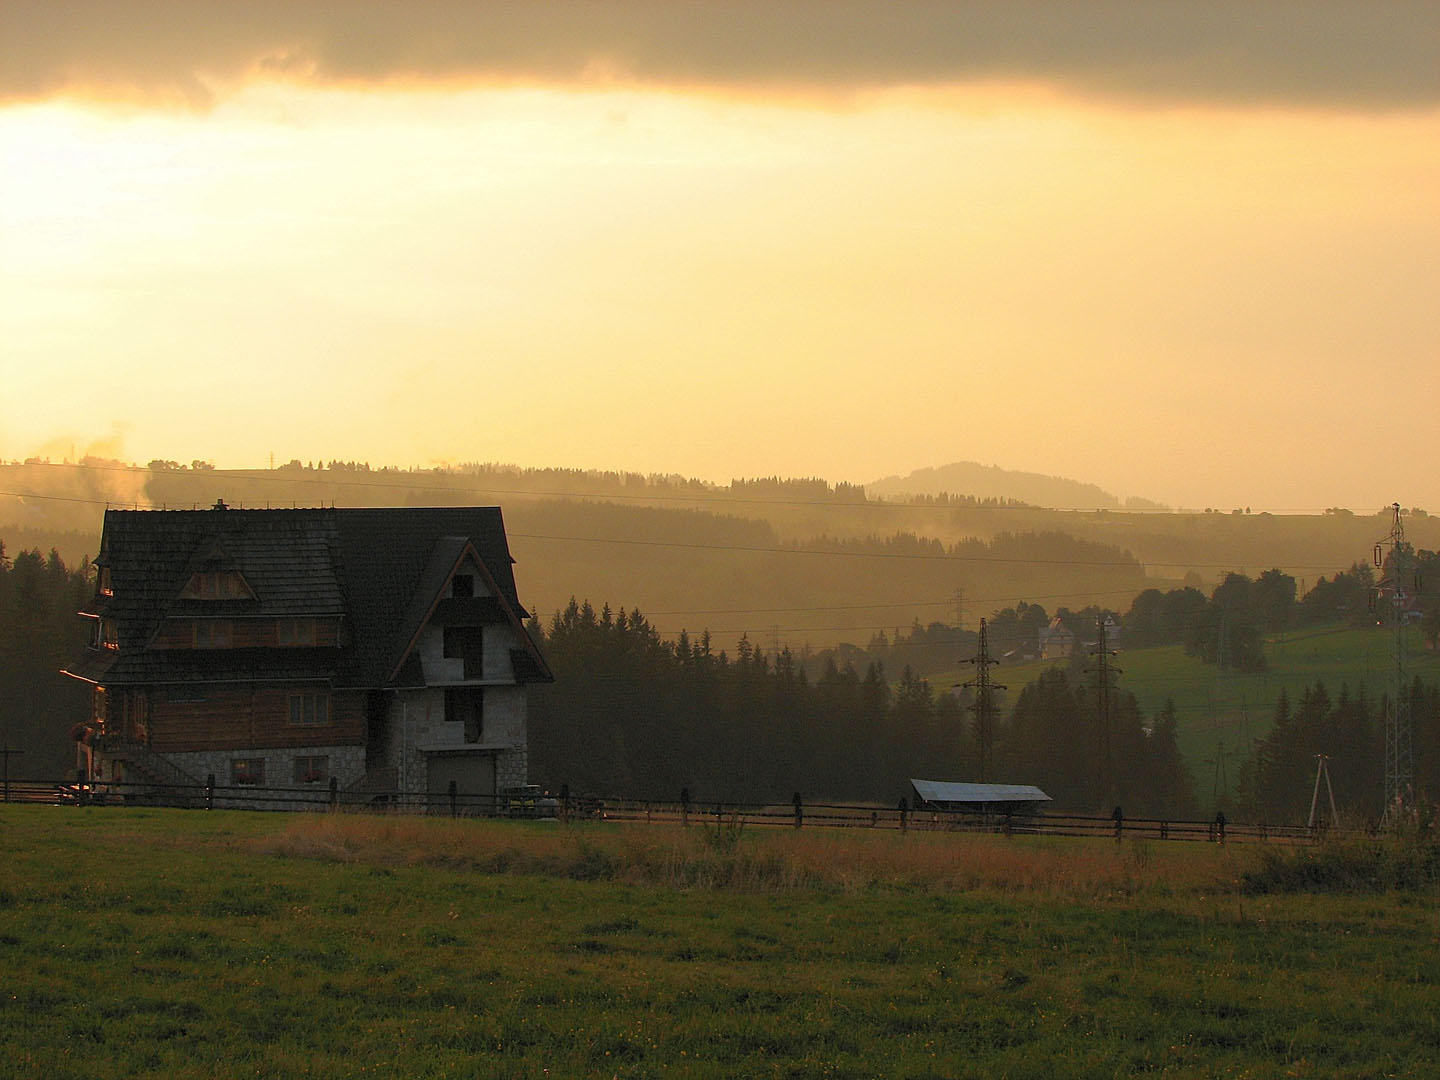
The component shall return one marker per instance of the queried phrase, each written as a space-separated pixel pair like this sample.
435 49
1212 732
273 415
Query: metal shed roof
942 791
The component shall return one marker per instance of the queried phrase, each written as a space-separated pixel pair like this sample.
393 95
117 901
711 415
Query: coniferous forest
39 634
634 715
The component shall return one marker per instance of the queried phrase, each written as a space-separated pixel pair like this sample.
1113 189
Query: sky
1183 250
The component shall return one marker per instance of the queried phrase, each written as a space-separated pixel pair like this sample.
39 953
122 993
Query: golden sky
1189 251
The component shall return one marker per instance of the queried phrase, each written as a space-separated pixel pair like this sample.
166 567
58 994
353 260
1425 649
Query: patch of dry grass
765 860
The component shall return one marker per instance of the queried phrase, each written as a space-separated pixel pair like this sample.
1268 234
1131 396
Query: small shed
979 798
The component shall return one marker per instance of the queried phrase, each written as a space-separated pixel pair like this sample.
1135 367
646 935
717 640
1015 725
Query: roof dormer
216 577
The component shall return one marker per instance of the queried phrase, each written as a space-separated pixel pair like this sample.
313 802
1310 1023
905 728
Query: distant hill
993 482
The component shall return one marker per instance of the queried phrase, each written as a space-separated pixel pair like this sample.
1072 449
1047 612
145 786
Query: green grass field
186 944
1218 707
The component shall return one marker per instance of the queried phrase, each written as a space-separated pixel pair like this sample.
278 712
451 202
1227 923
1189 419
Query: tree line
1347 729
40 634
633 714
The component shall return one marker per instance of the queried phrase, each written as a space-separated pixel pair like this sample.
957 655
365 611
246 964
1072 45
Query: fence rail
528 803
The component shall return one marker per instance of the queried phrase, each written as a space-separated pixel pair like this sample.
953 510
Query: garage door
474 776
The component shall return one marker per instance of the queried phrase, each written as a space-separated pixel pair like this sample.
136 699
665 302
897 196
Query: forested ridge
811 562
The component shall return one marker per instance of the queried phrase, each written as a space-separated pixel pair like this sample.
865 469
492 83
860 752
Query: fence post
453 793
1118 817
1164 830
799 809
904 808
210 791
565 804
684 806
334 792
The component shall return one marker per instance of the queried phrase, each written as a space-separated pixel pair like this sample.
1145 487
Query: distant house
1411 611
1057 641
383 649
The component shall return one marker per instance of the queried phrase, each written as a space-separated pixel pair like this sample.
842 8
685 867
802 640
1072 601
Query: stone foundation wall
280 790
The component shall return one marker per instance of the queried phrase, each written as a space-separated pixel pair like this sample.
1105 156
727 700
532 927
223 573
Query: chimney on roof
219 505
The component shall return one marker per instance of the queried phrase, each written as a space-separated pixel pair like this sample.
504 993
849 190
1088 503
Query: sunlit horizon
1198 291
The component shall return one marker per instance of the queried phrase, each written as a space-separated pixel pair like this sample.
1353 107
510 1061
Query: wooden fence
528 803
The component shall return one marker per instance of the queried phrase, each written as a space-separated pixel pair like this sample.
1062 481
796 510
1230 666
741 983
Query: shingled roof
374 567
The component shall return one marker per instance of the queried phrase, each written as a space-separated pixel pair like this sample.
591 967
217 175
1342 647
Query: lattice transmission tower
1104 671
1393 554
984 704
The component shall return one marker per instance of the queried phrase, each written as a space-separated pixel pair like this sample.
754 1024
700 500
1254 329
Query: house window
310 707
213 633
462 586
294 632
247 772
184 693
466 705
466 643
314 769
108 634
107 586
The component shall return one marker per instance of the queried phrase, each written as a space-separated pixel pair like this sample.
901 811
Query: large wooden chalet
278 649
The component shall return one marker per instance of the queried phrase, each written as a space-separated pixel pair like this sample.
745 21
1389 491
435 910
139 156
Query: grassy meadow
188 944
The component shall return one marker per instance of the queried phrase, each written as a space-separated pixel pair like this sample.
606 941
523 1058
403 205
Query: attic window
462 586
217 585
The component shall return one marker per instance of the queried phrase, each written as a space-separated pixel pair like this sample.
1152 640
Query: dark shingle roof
386 555
372 566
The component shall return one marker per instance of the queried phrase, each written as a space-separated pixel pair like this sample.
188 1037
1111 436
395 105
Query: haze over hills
993 482
801 560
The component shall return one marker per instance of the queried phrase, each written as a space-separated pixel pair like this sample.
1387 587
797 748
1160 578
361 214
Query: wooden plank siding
246 633
241 717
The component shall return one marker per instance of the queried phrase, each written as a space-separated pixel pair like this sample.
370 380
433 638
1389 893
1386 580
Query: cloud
1353 54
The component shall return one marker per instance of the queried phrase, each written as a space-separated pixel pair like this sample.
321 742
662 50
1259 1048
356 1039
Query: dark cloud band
1363 54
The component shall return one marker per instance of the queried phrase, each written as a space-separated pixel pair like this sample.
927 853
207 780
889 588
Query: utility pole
1222 778
1103 670
1399 757
984 704
1322 768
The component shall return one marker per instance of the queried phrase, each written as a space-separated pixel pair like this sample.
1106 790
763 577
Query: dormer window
107 586
217 585
462 586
